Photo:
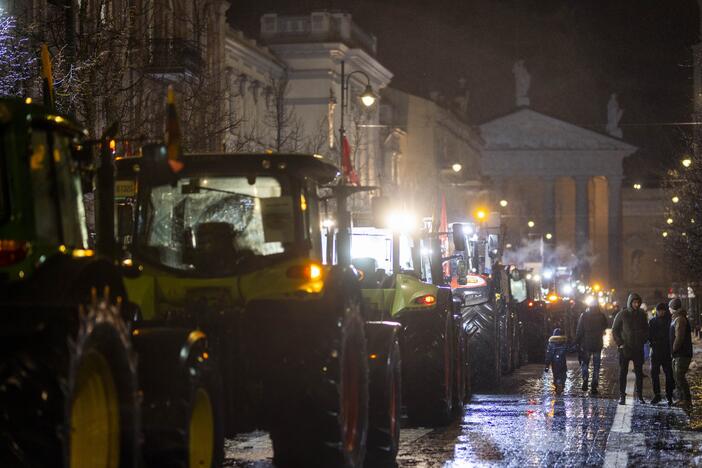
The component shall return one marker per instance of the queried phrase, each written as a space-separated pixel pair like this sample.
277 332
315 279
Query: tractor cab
222 214
41 205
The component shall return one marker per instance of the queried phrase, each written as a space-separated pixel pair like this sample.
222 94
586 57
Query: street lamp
549 236
675 199
531 224
669 220
687 161
368 97
504 203
457 167
343 240
637 186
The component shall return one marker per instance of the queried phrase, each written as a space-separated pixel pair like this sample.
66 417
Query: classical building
565 179
645 267
313 48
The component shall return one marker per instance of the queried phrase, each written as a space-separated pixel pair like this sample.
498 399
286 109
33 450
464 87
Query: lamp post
343 191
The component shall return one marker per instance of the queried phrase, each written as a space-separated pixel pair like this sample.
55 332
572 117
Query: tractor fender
380 337
169 358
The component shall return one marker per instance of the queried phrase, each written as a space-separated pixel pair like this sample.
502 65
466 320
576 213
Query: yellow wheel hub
201 444
95 426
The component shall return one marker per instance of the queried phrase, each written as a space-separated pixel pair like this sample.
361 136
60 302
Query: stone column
582 217
549 216
614 228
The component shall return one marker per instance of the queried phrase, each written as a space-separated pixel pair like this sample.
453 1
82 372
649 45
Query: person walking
659 337
630 332
556 359
681 350
588 336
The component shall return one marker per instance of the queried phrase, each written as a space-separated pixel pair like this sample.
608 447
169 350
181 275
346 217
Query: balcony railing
169 56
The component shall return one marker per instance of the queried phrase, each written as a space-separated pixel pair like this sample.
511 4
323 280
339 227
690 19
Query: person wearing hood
630 332
588 336
659 337
556 359
681 350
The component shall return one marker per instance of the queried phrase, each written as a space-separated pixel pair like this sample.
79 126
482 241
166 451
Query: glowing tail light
12 252
308 272
427 299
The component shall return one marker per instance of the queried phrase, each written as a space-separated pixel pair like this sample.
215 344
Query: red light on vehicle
427 299
12 251
309 272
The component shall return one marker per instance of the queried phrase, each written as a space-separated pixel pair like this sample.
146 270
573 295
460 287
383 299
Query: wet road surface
524 424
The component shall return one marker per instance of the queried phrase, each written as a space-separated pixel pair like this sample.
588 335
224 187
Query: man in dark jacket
591 326
659 337
630 332
681 350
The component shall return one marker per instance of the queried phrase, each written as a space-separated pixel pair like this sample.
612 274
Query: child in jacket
556 358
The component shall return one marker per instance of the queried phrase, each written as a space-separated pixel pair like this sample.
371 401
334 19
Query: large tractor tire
78 377
429 369
385 406
319 397
183 405
205 429
484 345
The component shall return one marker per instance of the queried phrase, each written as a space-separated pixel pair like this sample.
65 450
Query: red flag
346 166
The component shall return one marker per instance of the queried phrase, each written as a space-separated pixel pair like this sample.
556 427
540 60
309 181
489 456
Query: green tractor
68 387
229 244
435 377
71 391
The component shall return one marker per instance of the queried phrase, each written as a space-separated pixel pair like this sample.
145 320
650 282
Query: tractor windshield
211 225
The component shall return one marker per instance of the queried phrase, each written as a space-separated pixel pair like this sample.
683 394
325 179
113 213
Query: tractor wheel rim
95 427
350 400
201 431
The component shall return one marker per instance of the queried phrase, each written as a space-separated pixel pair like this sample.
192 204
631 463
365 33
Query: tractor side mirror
459 238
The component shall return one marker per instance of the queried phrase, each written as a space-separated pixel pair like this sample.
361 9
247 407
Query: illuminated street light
531 224
664 234
549 236
504 203
327 223
687 161
480 215
508 246
675 199
368 97
637 186
669 220
457 167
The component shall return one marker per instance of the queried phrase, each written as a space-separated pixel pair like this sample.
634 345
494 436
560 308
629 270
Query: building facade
431 157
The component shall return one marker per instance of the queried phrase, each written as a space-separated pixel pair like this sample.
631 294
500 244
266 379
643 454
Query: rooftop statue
522 80
614 115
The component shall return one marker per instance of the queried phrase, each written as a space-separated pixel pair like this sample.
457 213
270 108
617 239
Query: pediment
526 129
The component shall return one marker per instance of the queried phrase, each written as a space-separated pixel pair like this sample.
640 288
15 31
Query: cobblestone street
526 425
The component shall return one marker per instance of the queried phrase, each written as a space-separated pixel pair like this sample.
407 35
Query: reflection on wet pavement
524 424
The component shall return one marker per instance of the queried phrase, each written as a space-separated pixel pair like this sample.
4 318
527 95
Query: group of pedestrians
668 333
670 336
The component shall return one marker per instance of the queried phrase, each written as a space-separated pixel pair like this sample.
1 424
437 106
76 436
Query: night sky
577 51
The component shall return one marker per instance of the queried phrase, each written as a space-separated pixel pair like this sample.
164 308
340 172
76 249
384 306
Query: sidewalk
656 435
